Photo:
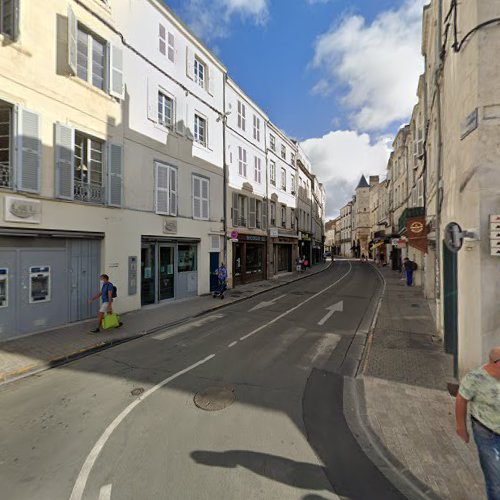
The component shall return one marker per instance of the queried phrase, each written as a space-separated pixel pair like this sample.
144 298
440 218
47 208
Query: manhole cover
215 398
137 391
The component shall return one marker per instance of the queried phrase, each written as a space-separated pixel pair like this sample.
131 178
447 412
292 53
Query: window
283 152
165 110
242 208
241 115
242 161
89 185
258 214
272 172
258 170
91 58
6 164
171 47
162 39
283 179
256 128
292 218
273 213
200 130
292 158
292 184
199 72
187 258
7 17
283 216
272 142
201 195
166 189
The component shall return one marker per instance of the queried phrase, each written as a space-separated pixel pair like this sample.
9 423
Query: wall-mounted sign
170 226
495 235
22 210
273 232
234 235
417 233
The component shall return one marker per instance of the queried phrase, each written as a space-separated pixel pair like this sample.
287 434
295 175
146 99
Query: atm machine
4 287
39 284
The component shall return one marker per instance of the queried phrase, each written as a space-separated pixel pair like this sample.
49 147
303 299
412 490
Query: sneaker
95 330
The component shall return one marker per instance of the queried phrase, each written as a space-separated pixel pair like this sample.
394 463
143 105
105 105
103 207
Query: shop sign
170 226
273 232
255 238
22 210
417 233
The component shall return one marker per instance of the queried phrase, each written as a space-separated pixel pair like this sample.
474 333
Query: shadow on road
283 470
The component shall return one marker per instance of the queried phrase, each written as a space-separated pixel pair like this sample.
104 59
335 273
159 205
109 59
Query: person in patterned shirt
480 392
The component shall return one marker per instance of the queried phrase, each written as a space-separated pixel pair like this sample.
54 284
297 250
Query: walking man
106 295
409 268
480 392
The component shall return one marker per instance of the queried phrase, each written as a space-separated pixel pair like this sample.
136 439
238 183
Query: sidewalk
408 409
27 355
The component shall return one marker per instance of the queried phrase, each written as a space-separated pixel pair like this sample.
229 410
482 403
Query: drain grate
215 398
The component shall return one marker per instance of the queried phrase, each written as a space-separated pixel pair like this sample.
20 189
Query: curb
357 419
33 369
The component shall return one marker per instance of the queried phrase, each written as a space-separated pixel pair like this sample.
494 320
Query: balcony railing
91 193
5 175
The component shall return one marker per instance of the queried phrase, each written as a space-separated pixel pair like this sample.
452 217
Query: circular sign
234 235
453 237
416 227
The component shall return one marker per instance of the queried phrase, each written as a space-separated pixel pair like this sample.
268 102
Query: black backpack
115 290
414 265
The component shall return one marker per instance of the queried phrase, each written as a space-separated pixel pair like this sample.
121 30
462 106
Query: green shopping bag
110 321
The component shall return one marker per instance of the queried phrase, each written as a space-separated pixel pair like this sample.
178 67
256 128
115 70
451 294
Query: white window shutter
236 212
205 193
115 175
180 117
72 40
171 47
252 213
162 194
29 151
244 163
189 122
196 197
65 161
173 191
211 82
116 84
189 63
152 100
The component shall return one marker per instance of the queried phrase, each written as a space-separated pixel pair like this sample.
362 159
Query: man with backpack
107 293
409 267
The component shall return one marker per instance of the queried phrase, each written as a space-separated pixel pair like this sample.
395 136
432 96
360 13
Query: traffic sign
234 235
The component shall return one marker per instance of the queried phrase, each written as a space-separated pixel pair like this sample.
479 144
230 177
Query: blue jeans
488 446
409 277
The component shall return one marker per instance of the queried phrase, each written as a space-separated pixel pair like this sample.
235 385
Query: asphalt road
123 424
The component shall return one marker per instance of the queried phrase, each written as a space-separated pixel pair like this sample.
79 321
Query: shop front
169 269
305 246
285 252
249 259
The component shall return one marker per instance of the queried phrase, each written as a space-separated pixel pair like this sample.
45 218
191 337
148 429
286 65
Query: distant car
327 254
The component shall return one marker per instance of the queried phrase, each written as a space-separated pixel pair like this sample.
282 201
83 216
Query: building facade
361 219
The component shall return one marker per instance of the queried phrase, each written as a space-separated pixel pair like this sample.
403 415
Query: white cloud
211 20
340 157
378 63
323 88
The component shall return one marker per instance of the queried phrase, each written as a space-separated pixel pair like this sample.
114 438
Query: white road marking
267 303
188 326
83 476
105 493
339 306
286 313
232 344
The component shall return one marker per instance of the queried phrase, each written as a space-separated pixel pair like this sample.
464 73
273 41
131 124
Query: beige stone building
361 218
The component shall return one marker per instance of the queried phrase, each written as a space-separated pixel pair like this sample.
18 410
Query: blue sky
339 75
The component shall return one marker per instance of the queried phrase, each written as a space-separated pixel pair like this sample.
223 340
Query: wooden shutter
196 197
205 193
211 82
173 191
264 214
252 213
29 151
162 42
72 40
115 175
171 47
188 121
244 162
162 193
152 100
189 63
236 212
65 163
116 86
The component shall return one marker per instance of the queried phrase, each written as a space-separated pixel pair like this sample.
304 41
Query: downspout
224 168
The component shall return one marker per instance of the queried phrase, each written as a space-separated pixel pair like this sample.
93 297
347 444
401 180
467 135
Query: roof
363 183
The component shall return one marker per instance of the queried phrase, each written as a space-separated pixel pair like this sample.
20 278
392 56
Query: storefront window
187 258
237 260
254 258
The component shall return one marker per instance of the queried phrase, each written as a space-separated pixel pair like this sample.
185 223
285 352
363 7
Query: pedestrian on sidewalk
106 295
480 393
298 264
409 268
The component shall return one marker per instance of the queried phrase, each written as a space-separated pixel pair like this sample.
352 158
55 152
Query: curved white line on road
105 493
82 478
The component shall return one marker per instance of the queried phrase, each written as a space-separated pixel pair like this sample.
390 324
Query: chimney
374 179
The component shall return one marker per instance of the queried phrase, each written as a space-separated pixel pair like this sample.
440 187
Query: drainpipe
224 168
